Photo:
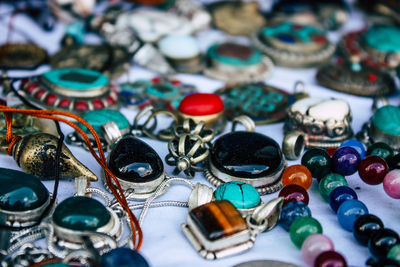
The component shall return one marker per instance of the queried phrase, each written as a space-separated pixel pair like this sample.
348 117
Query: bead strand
305 231
352 214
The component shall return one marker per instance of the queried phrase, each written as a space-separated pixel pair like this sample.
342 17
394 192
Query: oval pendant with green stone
81 214
23 197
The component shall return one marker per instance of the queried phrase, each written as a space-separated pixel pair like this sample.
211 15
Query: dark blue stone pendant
137 166
247 157
23 198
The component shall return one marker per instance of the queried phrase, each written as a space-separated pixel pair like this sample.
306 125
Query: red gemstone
31 87
373 169
110 100
98 104
330 258
51 99
200 104
294 192
156 80
24 82
40 93
176 82
81 106
64 103
297 27
331 150
372 77
320 39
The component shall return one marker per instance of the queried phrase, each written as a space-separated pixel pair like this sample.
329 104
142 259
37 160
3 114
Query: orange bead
297 174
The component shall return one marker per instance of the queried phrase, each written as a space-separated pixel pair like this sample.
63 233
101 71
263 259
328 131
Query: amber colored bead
297 174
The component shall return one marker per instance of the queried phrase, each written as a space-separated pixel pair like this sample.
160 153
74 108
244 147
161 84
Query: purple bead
339 195
391 184
314 245
345 160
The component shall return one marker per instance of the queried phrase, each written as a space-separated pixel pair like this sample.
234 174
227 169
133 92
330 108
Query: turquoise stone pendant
377 46
96 119
73 90
162 93
243 196
384 126
294 45
236 63
75 216
23 198
246 157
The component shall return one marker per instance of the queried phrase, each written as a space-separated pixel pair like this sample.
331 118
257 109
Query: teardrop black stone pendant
136 165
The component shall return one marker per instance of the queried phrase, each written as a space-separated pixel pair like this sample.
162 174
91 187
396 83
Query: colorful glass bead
357 145
382 241
314 245
372 170
291 212
380 149
297 174
339 195
331 150
345 160
241 195
81 214
365 227
318 162
330 259
123 257
394 253
294 192
349 211
303 227
329 183
391 184
394 162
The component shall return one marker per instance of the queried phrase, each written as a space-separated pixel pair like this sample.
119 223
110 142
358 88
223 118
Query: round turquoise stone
383 37
254 58
97 118
387 119
81 214
21 191
76 79
241 195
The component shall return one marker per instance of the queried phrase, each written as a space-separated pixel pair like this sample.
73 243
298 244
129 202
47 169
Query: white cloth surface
164 242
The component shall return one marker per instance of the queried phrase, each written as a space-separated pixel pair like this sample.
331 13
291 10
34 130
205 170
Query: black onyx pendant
80 214
136 165
23 198
247 157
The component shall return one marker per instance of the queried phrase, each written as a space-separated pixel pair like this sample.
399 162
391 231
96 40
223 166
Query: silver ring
293 145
